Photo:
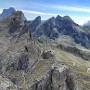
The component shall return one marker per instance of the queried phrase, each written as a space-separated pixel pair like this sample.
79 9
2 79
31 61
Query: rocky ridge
21 60
56 27
58 78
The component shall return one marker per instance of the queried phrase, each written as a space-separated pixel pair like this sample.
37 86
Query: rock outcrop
6 84
47 54
58 78
16 24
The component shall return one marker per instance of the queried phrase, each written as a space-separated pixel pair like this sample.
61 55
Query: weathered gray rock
6 84
47 54
59 78
15 22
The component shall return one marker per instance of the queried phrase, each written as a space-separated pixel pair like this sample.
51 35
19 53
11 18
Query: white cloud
47 7
68 8
45 15
38 13
80 20
1 10
60 7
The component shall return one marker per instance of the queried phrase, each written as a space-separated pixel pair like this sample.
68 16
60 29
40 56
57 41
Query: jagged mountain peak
67 17
20 14
33 24
9 9
38 18
58 17
51 19
14 22
67 20
7 12
17 15
63 18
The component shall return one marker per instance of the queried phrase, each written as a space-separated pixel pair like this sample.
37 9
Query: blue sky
78 10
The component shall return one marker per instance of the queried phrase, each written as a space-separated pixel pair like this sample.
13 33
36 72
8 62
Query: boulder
47 54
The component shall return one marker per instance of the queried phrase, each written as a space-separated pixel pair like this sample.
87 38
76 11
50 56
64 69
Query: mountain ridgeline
56 27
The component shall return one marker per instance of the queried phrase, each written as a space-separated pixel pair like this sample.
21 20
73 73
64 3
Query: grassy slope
80 68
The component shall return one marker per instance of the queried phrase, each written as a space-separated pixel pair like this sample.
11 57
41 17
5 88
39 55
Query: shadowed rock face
33 24
23 62
70 82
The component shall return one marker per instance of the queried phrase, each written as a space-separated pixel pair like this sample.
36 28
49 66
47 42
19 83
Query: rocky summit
7 12
43 55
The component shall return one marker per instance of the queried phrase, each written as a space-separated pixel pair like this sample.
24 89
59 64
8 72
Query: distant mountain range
55 28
